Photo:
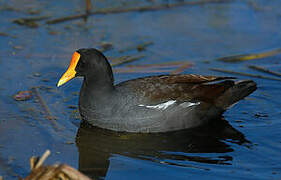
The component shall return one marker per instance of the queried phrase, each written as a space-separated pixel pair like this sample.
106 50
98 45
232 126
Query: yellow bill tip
70 73
60 83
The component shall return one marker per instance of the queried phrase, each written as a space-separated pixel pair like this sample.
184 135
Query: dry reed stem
54 172
245 74
46 109
265 70
246 57
134 9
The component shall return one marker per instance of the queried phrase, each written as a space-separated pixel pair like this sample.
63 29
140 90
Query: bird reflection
97 145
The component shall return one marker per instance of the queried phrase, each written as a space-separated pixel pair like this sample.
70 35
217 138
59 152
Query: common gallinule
150 104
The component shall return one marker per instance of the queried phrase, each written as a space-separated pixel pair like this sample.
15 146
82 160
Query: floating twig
88 6
265 70
246 57
87 10
245 74
23 95
139 47
105 46
125 59
46 109
68 18
181 68
4 34
133 9
30 22
256 7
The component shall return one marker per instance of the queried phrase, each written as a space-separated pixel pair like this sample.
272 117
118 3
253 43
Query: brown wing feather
155 89
188 78
180 78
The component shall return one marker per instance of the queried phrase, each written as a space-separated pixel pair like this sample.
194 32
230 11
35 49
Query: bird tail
238 91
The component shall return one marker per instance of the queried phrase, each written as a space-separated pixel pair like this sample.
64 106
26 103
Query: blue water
246 145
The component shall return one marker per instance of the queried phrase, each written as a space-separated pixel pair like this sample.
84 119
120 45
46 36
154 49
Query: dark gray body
129 109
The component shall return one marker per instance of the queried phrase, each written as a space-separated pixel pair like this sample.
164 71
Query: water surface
246 145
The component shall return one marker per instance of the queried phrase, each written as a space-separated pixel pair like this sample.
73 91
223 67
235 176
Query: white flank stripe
189 104
160 106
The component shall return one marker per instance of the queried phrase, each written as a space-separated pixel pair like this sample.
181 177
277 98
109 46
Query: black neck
93 93
98 83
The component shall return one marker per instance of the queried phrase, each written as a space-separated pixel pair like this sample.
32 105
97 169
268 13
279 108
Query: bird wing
184 87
